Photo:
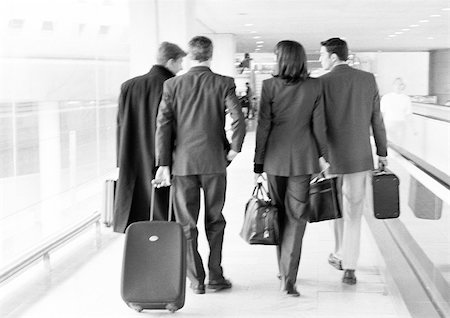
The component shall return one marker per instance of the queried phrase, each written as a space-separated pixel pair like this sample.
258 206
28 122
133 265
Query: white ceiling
367 25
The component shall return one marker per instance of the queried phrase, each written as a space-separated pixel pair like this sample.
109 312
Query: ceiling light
446 9
253 32
430 38
423 21
435 16
257 37
258 42
248 24
413 25
392 35
398 32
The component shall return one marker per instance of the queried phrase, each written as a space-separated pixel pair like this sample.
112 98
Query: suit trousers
186 203
291 196
355 192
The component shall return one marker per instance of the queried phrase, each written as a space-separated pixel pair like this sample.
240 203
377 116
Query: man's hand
231 155
162 177
382 163
324 165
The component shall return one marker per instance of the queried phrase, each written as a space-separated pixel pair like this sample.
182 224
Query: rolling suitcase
154 264
386 204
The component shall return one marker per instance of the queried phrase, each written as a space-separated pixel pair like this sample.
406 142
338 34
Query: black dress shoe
349 277
290 290
198 289
219 284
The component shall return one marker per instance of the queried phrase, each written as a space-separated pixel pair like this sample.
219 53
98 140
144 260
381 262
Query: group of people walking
171 131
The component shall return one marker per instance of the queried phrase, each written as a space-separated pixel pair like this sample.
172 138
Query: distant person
245 63
191 144
352 107
396 109
290 138
136 125
249 96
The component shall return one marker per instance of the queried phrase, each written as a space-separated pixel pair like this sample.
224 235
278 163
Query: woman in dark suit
290 139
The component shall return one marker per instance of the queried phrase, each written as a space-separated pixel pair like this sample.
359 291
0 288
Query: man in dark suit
352 107
191 141
136 125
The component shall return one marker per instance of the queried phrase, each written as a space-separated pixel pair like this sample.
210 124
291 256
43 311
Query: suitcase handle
152 203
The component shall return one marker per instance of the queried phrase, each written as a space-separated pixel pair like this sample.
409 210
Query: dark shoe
219 284
335 262
349 277
198 289
290 290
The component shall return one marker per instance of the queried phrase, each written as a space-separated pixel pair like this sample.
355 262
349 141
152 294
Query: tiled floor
84 279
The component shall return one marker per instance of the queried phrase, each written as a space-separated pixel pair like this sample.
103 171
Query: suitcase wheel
136 307
171 307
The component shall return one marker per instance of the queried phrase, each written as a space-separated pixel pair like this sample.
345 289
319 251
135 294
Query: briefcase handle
152 202
320 175
262 191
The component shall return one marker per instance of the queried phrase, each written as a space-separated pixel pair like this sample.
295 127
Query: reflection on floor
84 279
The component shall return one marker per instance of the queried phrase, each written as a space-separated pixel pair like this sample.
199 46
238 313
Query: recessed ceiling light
406 30
258 42
424 21
257 37
413 25
398 32
446 9
248 24
392 35
430 38
435 16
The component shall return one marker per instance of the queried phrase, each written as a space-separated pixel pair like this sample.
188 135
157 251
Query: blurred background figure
245 63
396 109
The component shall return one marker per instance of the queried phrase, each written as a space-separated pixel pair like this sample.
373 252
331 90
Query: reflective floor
83 277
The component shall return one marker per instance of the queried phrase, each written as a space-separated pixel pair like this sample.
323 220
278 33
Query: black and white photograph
225 158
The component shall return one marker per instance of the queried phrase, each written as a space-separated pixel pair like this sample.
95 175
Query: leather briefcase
386 202
323 199
261 219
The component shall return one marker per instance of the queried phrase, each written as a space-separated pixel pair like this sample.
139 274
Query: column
224 53
155 21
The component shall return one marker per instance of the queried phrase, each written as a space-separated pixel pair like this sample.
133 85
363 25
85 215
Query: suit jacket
190 134
290 135
352 106
136 125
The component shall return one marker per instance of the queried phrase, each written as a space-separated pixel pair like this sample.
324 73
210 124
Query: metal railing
42 251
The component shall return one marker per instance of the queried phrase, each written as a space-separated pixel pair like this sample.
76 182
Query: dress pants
186 203
291 196
355 190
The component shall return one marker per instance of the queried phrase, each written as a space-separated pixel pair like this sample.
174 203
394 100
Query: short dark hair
200 48
336 46
169 51
291 60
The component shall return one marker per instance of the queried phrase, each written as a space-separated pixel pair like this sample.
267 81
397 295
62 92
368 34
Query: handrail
43 249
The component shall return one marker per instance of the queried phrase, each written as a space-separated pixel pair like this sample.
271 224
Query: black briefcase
323 199
386 202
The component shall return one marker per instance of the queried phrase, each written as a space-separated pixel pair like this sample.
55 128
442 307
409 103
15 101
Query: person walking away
396 110
136 125
352 108
290 139
192 145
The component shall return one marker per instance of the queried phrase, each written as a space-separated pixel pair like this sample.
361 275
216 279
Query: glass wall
61 66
